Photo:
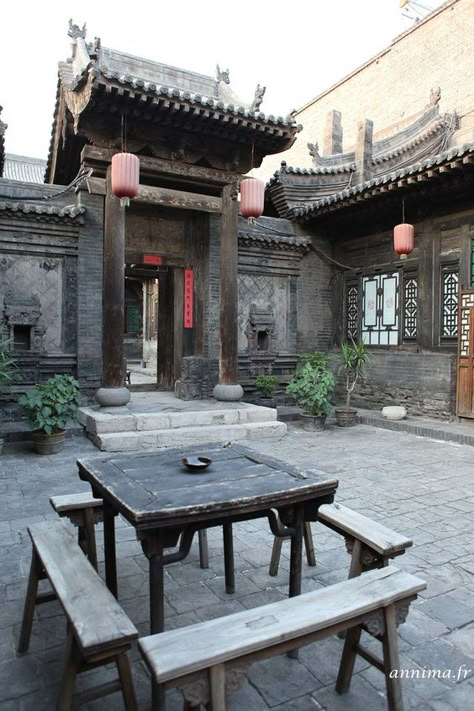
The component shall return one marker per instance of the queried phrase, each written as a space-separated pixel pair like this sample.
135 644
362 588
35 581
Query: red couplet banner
188 297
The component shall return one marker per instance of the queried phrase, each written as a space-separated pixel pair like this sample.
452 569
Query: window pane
380 309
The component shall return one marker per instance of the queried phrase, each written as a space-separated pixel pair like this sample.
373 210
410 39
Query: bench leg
229 558
308 544
30 600
125 674
71 668
391 660
348 658
89 526
203 549
217 688
276 553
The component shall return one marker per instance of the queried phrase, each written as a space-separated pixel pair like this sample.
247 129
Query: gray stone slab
448 610
280 679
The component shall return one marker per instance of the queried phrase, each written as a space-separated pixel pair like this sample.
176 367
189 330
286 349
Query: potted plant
354 358
7 366
312 386
49 406
266 384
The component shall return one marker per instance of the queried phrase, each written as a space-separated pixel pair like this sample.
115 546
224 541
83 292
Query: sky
295 49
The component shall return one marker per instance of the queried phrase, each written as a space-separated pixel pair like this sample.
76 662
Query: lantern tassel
124 202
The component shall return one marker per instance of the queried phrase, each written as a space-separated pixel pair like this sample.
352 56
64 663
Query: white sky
296 55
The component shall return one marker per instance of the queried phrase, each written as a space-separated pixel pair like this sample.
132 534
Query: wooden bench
84 511
99 631
370 544
206 659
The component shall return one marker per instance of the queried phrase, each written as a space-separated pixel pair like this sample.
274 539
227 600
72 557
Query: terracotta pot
345 417
313 423
48 444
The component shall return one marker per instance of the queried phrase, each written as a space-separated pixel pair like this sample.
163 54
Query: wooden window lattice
380 309
352 309
410 310
467 303
450 288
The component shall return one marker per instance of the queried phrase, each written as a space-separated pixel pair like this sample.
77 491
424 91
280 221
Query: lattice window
410 311
380 309
450 297
467 303
352 310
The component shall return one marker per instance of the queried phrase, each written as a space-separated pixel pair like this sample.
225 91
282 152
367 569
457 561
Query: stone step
140 440
118 420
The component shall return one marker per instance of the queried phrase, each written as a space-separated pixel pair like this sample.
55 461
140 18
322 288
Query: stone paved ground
421 487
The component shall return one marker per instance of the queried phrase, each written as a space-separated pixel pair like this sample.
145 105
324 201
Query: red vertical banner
188 297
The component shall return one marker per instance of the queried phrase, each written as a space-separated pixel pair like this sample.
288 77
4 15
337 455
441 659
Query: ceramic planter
313 423
48 444
345 417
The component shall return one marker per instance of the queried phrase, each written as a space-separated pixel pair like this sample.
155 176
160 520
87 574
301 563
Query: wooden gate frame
465 360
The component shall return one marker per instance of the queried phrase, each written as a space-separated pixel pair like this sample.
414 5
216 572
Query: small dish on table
196 464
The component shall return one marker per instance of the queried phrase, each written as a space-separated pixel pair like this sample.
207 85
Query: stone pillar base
112 397
228 393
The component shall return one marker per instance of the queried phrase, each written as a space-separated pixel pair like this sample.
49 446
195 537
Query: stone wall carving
23 310
260 295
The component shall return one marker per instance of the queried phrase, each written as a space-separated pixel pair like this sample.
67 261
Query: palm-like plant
354 358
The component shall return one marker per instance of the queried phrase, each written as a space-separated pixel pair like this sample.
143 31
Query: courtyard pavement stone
421 487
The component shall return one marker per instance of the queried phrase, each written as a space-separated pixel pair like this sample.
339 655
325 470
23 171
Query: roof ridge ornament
75 31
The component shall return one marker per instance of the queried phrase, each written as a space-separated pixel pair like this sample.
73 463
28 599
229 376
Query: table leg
295 558
109 549
229 558
152 544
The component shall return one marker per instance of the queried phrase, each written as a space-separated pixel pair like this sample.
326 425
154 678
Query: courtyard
421 487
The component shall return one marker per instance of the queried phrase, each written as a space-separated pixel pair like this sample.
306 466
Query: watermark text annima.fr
453 675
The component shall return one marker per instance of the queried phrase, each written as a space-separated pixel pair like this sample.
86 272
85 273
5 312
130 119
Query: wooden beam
165 196
93 155
179 199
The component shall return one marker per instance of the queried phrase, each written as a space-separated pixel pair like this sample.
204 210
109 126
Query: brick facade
394 87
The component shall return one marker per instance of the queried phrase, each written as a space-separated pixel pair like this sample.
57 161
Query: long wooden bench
206 658
99 631
84 511
370 543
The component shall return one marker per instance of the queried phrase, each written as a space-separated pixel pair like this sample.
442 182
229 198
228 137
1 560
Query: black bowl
196 464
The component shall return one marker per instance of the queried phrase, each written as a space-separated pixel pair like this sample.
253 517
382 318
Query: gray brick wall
89 304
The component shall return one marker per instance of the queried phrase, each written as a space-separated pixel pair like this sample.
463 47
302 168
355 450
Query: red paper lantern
252 197
403 239
125 176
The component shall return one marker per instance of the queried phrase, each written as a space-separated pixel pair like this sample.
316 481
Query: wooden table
166 504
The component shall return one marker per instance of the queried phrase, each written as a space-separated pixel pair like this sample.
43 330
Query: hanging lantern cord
403 210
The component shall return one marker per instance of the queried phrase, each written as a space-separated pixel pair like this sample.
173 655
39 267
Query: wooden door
465 364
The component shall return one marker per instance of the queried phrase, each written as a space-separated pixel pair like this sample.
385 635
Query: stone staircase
144 427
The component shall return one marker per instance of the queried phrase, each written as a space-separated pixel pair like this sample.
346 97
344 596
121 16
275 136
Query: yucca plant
354 358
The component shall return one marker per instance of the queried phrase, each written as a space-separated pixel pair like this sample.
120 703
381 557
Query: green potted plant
7 367
354 357
266 384
312 386
49 406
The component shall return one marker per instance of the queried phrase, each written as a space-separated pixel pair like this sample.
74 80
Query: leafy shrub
266 384
312 384
51 405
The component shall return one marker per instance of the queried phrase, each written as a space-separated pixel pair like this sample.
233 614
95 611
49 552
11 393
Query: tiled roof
50 212
29 170
454 158
143 87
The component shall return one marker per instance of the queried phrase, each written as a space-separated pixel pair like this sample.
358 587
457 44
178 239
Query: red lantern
125 176
252 197
403 239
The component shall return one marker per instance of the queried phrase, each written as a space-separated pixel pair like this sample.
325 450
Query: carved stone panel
31 294
261 294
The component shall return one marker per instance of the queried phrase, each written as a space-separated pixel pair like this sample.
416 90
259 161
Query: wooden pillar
113 391
228 361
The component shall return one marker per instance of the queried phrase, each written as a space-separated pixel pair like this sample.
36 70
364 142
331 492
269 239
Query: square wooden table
166 504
